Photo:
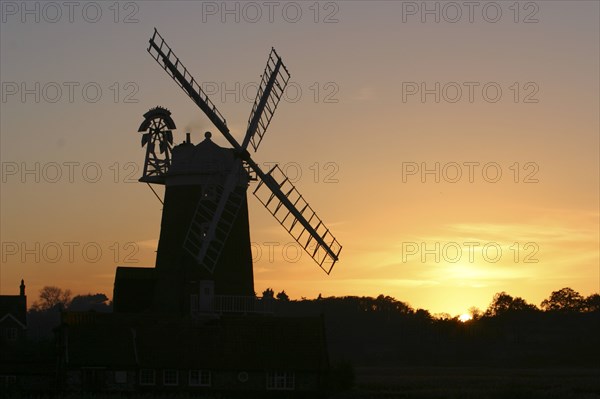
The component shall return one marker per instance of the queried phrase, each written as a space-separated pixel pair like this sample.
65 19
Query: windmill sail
273 83
206 241
166 58
292 211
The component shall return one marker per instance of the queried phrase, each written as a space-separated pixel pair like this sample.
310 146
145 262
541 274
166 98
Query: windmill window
281 380
194 303
170 377
147 377
120 377
199 378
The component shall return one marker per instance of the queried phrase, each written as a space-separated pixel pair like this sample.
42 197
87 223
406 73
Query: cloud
151 243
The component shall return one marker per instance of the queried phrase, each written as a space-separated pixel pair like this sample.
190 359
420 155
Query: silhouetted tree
442 316
385 304
504 303
566 299
44 314
500 304
519 304
51 297
592 303
381 330
282 296
97 302
475 312
423 315
268 293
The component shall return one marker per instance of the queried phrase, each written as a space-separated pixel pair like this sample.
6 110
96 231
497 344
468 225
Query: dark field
472 382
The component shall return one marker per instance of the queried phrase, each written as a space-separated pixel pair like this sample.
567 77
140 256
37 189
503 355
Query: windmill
205 216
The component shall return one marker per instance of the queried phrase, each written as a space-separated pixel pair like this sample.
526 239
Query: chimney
187 138
22 287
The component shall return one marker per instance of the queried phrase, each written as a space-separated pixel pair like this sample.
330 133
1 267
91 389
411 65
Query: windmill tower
204 235
194 177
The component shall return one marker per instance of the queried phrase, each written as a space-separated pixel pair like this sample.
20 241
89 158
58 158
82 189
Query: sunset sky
452 159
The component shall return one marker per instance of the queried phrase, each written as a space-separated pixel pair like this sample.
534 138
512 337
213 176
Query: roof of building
134 289
15 305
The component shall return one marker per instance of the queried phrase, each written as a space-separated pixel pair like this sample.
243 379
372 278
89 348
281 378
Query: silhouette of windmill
205 213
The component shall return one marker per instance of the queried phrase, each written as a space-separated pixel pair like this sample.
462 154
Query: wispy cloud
145 244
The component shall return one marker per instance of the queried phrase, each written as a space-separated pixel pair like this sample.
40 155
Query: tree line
563 300
563 330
